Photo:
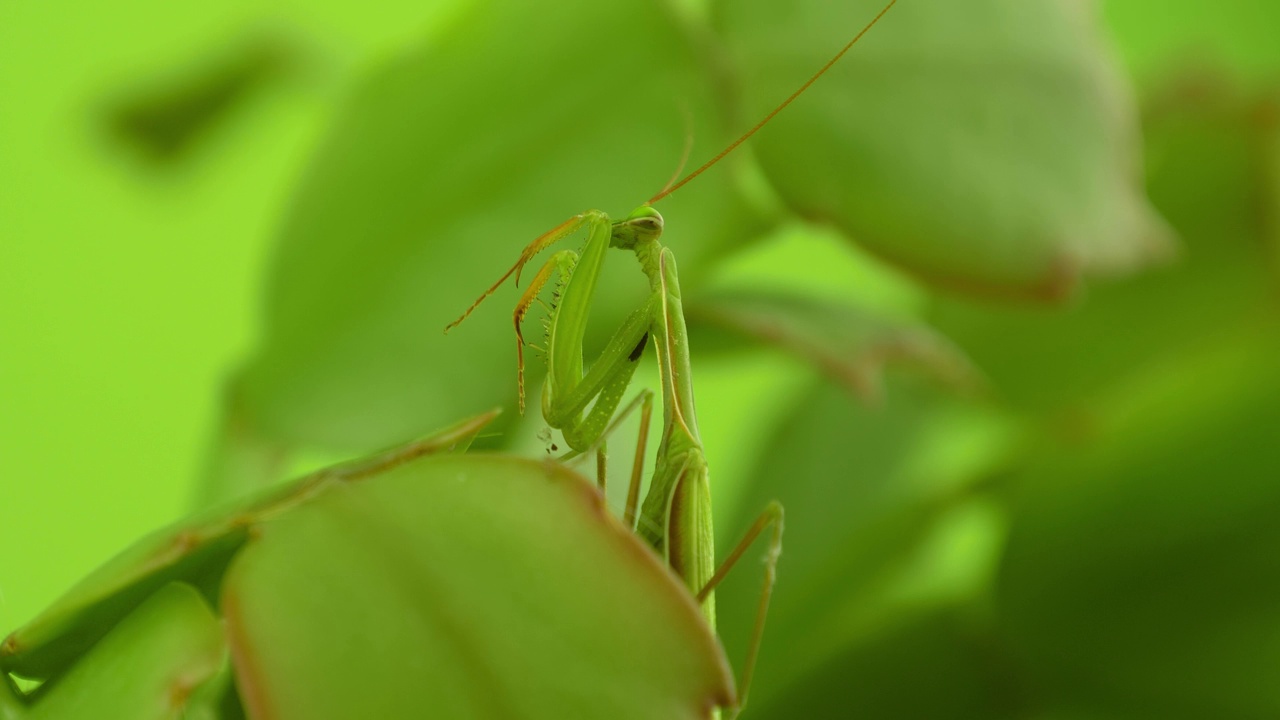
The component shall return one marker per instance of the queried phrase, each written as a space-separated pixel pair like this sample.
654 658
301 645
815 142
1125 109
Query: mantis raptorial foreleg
569 391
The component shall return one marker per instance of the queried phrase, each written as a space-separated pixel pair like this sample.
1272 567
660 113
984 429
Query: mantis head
644 224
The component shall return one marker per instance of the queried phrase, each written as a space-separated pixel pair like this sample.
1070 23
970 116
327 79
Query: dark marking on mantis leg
635 354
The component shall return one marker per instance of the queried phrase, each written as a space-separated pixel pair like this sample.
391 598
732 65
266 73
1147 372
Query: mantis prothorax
676 518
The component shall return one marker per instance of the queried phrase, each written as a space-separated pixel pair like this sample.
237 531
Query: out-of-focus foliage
382 587
147 667
349 323
441 166
1088 537
454 561
849 343
1139 574
1106 514
129 289
989 146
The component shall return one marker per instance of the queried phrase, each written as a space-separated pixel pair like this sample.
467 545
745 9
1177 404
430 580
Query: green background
129 290
131 282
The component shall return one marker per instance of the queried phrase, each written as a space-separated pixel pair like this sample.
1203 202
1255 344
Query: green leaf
478 587
195 550
951 653
470 584
56 638
1140 572
145 668
1207 178
11 705
442 166
851 344
1156 36
988 146
880 520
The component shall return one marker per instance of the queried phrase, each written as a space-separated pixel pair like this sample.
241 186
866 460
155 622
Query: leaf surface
444 164
477 586
990 146
146 668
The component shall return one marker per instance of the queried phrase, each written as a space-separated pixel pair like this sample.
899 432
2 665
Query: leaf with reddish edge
852 345
194 550
478 587
146 668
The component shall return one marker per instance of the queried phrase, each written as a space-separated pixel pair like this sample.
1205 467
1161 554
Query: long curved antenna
734 145
688 147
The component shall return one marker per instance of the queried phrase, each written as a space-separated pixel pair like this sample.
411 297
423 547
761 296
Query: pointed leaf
1206 178
146 668
195 549
848 343
986 145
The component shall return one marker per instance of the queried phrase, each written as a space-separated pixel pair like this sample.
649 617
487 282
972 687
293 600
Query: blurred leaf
443 166
10 704
1205 172
879 518
58 637
1269 130
938 665
216 699
1154 34
164 118
474 586
147 667
1140 573
848 343
195 550
987 146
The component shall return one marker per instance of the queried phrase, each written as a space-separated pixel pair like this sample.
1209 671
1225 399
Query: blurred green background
1091 535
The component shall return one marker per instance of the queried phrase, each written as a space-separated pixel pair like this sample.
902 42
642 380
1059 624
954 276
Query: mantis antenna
688 146
734 145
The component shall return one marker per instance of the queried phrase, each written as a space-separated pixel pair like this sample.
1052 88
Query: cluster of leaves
1073 523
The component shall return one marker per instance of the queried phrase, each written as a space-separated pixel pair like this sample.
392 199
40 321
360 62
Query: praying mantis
676 518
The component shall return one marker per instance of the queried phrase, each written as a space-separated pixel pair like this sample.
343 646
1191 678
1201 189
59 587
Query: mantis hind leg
771 518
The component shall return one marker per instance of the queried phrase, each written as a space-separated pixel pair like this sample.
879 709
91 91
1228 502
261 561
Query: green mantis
676 517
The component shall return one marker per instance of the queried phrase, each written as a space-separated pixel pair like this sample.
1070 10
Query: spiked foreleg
564 262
